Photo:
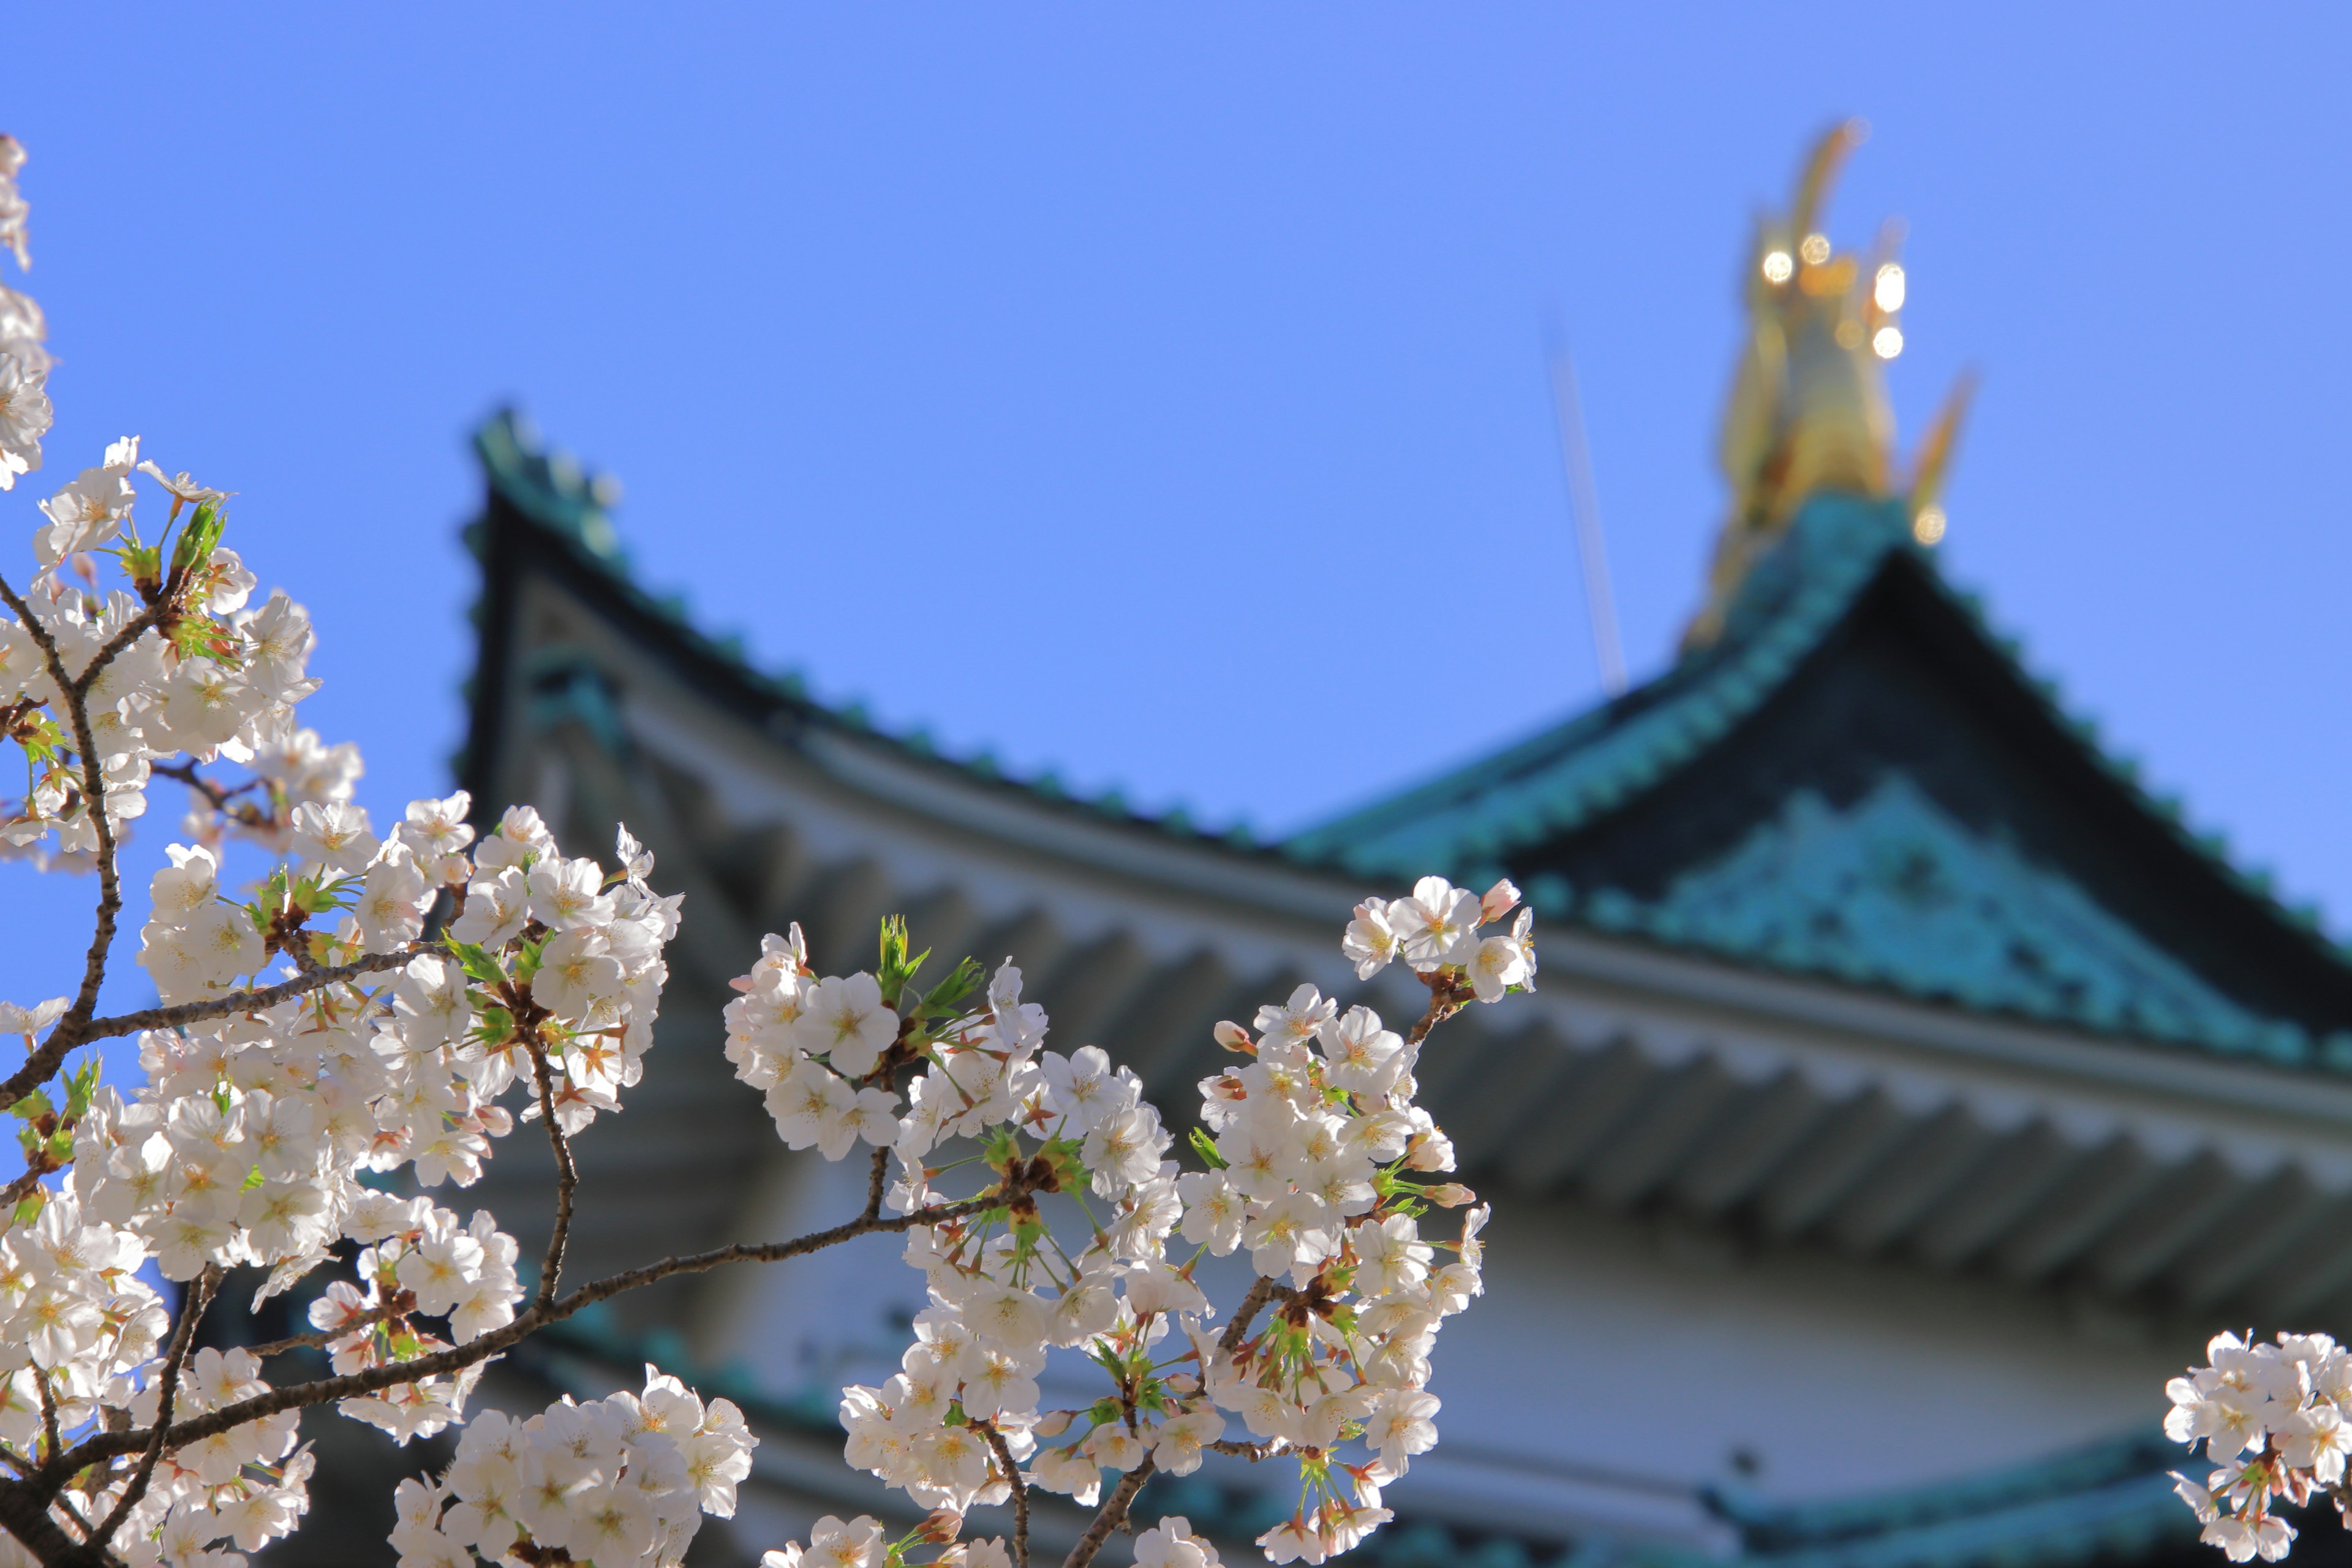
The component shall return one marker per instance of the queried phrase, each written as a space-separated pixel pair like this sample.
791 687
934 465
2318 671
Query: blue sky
1156 393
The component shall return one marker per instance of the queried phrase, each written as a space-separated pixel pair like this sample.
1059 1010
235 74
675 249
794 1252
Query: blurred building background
1907 1093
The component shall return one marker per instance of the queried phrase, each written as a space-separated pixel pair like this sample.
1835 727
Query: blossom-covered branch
359 1021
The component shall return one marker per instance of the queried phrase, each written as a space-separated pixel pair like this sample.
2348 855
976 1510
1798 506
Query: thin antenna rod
1592 551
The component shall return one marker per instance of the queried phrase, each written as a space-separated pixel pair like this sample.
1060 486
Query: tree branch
1020 1492
1253 1452
567 1174
41 1065
1114 1511
48 1411
166 1392
1238 1330
259 1000
1447 996
875 1182
319 1338
101 1445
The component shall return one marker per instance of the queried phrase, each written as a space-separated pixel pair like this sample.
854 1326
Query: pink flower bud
1449 1194
1500 899
941 1526
1233 1037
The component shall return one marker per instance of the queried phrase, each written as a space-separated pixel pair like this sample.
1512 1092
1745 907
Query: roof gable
1859 781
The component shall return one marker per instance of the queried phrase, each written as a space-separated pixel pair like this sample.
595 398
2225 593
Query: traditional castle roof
1860 781
1858 942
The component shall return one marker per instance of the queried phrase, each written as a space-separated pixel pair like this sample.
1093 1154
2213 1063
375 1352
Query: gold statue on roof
1808 411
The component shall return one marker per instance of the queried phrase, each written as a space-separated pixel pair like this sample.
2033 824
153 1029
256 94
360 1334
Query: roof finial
1808 411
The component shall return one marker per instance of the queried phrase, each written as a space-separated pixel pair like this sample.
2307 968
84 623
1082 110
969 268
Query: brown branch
42 1064
18 1191
259 1000
167 1392
1020 1492
1114 1511
185 773
874 1182
1253 1452
319 1338
104 1445
567 1174
1448 994
1238 1330
48 1411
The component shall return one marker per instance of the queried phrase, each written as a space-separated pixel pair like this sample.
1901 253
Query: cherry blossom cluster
1315 1161
2273 1418
189 666
25 413
357 1026
248 1486
266 1136
624 1479
74 1317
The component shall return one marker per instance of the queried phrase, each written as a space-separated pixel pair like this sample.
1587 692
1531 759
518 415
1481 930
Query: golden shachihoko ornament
1808 412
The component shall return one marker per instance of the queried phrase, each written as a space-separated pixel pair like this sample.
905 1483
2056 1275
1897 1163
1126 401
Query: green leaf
36 1104
950 993
896 969
81 1088
1206 1147
527 962
29 1208
478 964
198 540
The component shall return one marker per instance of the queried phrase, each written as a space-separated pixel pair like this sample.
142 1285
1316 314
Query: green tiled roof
1951 914
573 505
1889 890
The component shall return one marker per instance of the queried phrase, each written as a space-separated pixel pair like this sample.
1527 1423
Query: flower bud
1052 1424
1449 1194
939 1526
1233 1037
1500 899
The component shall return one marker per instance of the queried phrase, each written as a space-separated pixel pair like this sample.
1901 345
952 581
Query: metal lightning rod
1584 506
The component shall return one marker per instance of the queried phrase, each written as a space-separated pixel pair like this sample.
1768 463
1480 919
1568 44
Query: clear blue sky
1156 392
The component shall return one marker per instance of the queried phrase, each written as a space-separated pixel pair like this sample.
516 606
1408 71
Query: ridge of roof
1568 776
1464 821
1561 777
571 506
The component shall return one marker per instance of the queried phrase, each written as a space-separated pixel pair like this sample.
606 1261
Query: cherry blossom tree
346 1037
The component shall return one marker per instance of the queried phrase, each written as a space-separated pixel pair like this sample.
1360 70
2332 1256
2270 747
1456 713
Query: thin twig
567 1174
1114 1511
319 1338
41 1065
214 795
18 1191
1447 996
1253 1452
184 1335
1020 1492
875 1182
